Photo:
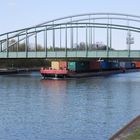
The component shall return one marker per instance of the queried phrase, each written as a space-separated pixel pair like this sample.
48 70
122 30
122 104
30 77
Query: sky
17 14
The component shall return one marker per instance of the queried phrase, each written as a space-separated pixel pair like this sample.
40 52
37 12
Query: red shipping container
63 64
94 65
137 63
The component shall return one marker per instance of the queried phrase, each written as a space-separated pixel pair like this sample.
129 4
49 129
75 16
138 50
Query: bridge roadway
115 54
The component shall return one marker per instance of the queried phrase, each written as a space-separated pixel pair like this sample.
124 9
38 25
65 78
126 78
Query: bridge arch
66 31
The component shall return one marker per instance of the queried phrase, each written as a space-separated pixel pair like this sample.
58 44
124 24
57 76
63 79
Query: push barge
69 74
77 69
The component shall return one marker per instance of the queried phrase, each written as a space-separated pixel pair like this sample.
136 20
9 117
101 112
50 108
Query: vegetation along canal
69 109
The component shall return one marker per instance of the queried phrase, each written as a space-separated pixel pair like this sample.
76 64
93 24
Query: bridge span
73 37
118 54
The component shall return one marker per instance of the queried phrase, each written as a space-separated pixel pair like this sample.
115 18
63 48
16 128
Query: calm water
75 109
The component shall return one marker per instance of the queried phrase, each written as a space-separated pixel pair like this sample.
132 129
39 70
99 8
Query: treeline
21 47
24 63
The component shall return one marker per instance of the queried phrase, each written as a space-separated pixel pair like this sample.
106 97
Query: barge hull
85 74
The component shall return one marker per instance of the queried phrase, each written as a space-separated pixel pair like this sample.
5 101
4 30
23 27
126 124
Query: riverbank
131 131
5 71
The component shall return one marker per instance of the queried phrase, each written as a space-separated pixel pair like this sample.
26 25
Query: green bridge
73 37
119 54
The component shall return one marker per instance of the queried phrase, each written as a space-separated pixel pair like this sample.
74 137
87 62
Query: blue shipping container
105 65
126 65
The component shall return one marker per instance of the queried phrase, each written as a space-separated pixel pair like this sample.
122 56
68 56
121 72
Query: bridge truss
60 37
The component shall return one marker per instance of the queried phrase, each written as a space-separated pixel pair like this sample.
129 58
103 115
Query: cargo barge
69 74
77 69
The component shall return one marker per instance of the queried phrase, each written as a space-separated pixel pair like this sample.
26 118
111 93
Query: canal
73 109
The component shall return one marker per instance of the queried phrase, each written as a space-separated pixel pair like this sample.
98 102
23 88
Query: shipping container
105 65
128 65
125 65
78 66
55 65
94 65
122 64
72 66
137 64
114 65
63 64
133 65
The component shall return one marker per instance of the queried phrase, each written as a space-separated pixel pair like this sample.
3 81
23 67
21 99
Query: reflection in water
59 85
57 90
78 109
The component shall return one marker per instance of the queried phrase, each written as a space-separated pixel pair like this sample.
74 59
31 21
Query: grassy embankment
135 135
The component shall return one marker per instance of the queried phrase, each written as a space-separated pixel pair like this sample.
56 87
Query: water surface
72 109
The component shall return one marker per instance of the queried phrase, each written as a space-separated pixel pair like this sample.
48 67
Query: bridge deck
134 54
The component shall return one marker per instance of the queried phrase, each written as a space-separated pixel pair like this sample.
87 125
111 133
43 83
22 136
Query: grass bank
135 135
131 131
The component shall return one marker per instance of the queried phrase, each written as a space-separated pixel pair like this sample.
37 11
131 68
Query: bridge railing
74 54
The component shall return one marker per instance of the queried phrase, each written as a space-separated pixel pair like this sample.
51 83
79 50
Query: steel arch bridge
60 38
